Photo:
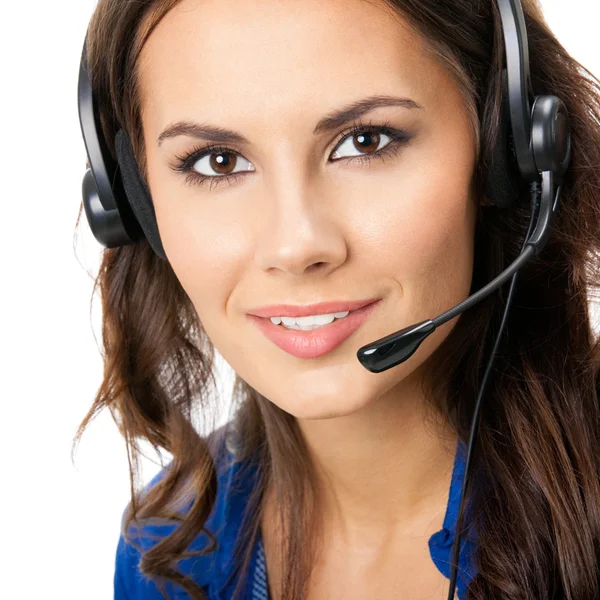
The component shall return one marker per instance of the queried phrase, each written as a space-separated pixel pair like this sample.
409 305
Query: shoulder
224 520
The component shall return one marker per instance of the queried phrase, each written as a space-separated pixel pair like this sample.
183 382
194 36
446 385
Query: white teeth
292 321
310 322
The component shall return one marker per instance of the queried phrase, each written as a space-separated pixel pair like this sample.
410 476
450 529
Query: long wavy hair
535 491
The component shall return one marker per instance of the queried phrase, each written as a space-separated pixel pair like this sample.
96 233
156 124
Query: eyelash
185 163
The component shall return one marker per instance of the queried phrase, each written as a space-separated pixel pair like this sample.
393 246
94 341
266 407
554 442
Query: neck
384 471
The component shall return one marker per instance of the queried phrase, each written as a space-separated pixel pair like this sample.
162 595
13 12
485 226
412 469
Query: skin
296 228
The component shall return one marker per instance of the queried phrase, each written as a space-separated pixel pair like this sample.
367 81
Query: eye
364 144
358 144
221 163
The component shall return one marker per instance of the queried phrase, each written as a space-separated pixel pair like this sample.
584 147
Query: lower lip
315 343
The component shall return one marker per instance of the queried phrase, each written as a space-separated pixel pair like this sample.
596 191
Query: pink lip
322 308
315 343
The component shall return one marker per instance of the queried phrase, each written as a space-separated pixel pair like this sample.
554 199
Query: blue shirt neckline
215 571
440 542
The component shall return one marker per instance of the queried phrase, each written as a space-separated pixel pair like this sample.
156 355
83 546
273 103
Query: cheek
424 232
442 241
207 252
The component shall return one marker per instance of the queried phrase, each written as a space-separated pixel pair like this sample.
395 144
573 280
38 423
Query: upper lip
321 308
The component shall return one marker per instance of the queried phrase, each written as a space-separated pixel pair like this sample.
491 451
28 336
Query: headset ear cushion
137 193
503 183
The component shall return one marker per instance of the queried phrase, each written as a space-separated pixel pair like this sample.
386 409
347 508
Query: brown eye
223 163
367 142
362 144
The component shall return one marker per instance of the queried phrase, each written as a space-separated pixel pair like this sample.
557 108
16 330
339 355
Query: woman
311 158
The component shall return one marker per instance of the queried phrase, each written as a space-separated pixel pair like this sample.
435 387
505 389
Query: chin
340 397
329 411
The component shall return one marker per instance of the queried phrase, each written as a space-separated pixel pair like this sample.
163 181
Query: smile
296 339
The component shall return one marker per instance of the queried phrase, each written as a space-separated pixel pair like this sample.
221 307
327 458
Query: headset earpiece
504 184
137 192
118 212
551 136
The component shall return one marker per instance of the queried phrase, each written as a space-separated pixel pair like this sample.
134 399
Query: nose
302 228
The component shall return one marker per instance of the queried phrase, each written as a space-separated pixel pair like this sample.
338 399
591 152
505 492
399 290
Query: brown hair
535 493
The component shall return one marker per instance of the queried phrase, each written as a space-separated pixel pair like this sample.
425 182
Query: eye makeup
185 164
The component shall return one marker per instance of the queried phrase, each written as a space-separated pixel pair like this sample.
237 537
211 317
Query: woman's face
310 212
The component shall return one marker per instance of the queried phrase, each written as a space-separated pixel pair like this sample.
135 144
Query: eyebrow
330 122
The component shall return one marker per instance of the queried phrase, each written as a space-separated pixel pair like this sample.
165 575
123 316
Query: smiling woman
355 138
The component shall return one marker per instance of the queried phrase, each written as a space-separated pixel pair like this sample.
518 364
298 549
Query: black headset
533 150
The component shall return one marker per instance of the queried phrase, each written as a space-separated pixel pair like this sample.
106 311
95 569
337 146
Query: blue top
212 571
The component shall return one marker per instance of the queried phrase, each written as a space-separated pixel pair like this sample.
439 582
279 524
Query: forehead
257 59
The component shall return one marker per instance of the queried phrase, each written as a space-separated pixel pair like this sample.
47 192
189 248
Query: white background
61 520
